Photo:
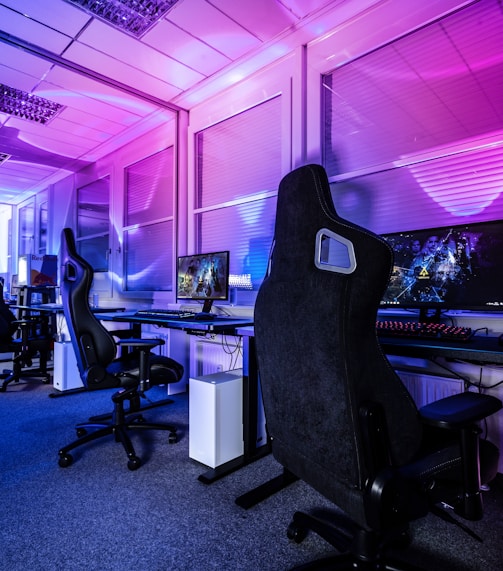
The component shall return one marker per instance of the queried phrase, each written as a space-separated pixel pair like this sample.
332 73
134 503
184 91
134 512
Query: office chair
338 416
133 372
25 338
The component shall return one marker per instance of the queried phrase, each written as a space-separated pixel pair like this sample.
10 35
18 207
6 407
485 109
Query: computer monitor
203 277
451 267
34 270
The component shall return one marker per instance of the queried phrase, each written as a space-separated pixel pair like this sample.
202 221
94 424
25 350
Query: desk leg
232 466
265 490
250 418
255 496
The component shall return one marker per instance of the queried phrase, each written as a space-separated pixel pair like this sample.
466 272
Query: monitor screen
452 267
203 277
36 270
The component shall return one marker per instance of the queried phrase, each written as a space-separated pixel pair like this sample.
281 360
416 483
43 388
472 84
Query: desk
222 324
53 309
480 349
58 308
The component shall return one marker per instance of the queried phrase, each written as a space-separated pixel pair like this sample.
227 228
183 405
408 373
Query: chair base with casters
24 339
122 421
358 549
24 352
407 491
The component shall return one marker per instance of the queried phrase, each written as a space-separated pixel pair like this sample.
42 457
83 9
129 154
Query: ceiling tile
17 79
303 8
29 64
181 46
55 14
101 126
210 25
263 18
26 29
124 74
72 89
110 46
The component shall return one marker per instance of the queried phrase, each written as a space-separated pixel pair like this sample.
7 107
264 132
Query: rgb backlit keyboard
420 330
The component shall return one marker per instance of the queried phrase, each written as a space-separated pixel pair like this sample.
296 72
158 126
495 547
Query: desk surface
482 349
220 323
58 308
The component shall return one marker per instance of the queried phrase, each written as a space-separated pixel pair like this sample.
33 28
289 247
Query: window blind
413 131
149 223
93 223
238 172
149 184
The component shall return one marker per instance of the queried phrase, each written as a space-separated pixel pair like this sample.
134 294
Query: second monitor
203 277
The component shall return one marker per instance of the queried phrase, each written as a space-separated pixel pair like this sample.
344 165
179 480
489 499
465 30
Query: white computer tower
216 417
66 372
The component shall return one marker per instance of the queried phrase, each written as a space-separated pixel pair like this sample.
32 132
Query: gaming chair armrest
459 411
129 333
122 333
144 346
34 326
141 344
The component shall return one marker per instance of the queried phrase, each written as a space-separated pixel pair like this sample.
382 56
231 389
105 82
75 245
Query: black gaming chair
338 416
26 339
133 373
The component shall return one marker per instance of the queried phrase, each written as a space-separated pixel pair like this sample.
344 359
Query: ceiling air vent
4 158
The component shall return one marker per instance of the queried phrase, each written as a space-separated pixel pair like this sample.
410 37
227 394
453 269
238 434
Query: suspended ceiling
113 86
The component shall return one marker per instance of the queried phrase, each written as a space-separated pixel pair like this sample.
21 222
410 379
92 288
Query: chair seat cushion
163 370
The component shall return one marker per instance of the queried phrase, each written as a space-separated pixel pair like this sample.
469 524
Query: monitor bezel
495 305
202 299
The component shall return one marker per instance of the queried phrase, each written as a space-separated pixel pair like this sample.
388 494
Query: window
42 228
238 172
93 226
5 243
412 130
149 223
26 229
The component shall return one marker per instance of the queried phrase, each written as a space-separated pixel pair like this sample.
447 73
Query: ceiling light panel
27 106
132 16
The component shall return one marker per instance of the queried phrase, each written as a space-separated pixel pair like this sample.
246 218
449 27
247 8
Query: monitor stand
428 315
207 305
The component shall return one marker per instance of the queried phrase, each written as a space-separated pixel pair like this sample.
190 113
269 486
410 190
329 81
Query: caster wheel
81 432
65 460
134 463
172 438
296 533
403 541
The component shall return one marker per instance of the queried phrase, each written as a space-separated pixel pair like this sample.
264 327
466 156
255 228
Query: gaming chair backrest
318 355
94 346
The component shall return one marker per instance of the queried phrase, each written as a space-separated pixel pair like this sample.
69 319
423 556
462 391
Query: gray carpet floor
97 515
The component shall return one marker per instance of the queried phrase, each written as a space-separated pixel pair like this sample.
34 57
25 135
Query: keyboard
166 313
420 330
